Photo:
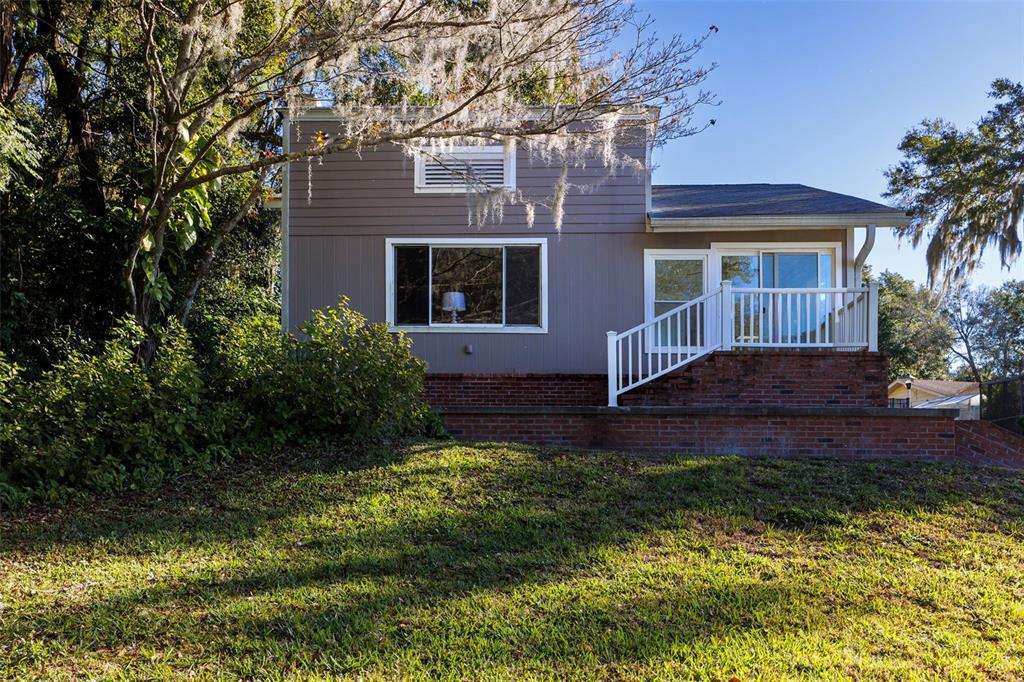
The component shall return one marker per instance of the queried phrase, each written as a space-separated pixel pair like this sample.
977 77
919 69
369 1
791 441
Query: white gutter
862 255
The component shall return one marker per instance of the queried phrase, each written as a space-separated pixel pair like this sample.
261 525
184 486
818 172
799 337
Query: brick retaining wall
723 379
979 440
865 432
778 403
767 431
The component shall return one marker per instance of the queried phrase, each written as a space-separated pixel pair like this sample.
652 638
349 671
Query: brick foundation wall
499 390
723 379
794 378
780 433
982 441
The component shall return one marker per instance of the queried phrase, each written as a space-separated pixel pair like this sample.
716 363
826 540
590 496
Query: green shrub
11 390
345 380
222 304
257 372
103 422
359 379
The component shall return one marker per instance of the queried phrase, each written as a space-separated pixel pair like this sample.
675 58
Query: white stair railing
665 343
727 318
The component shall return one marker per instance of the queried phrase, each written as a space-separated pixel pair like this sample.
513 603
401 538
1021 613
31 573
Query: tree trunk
203 266
69 84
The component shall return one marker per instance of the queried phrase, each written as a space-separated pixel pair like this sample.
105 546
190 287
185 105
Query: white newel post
873 317
613 371
726 315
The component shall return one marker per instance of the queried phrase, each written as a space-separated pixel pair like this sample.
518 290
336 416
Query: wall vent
465 169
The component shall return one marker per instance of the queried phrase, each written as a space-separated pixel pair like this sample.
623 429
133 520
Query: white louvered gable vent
463 168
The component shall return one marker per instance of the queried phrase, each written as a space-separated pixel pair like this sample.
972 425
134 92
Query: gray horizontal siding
595 284
372 192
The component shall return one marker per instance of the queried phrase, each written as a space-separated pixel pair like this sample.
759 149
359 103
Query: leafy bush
103 422
256 370
223 304
11 386
344 380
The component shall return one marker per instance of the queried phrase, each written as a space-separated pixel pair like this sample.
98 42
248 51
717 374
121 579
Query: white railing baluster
657 341
629 375
798 299
831 312
701 341
751 326
785 319
810 322
689 345
679 338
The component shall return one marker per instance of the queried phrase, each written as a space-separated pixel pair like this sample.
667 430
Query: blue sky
820 93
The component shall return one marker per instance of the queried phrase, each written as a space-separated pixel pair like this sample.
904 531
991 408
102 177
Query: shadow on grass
362 549
232 501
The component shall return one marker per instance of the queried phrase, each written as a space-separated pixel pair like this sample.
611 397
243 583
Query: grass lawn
508 562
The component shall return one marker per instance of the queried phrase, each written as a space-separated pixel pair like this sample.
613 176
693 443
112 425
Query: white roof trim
774 222
650 114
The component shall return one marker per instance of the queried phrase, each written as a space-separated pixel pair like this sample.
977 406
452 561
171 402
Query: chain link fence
1002 402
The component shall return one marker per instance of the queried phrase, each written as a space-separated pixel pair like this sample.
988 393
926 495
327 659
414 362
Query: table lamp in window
453 302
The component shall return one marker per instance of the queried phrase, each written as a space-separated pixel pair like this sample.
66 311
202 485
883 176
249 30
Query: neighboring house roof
698 205
956 401
938 387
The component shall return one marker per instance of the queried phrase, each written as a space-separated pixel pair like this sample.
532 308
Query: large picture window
449 284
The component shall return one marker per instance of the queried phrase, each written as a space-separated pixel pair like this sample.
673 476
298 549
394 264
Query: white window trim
652 255
508 152
389 270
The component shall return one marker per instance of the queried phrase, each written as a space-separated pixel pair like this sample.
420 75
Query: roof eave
775 222
649 113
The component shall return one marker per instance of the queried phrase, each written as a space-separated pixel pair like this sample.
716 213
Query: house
963 396
716 318
392 234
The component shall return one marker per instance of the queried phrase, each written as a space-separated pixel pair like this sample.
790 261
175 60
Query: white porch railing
727 318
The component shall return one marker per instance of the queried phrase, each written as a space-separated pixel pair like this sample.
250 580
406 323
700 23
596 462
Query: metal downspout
862 255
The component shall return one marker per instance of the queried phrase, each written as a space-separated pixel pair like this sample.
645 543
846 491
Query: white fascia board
650 114
775 222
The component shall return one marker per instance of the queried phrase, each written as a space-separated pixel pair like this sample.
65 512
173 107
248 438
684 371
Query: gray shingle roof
725 201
